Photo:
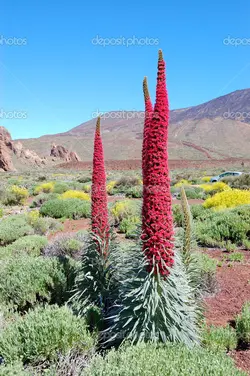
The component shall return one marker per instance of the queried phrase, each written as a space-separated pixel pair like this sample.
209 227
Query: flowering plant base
154 309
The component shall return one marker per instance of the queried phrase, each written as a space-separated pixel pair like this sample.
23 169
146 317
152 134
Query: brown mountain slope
217 129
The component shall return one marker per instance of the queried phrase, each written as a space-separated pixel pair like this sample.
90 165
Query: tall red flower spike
157 221
99 206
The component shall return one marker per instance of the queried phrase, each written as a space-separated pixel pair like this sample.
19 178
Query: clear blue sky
58 77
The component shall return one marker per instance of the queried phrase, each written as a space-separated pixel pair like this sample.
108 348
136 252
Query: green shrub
43 197
15 195
15 369
125 209
47 225
168 360
235 257
177 215
129 226
246 244
13 228
134 192
1 212
239 182
27 280
42 334
84 179
219 338
31 244
69 208
243 324
207 272
66 245
198 211
60 187
229 225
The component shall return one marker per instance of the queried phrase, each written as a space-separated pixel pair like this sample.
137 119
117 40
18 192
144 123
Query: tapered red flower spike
157 221
99 207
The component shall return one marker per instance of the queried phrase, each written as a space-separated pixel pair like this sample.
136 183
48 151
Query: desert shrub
129 225
84 179
182 182
44 187
198 211
213 188
128 181
16 369
14 227
124 209
235 257
170 359
86 188
219 338
228 199
229 246
243 324
75 194
41 198
229 225
177 215
246 244
240 182
66 245
27 280
60 187
134 192
206 179
31 244
124 185
110 186
206 272
194 192
73 208
1 212
42 334
44 226
15 195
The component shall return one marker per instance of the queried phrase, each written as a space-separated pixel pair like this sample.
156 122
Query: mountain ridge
221 125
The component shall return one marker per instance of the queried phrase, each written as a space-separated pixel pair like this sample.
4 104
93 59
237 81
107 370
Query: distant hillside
217 129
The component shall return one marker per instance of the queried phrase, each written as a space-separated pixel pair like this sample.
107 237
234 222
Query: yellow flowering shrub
33 216
219 186
20 193
86 188
111 185
182 182
206 179
228 199
124 209
75 194
45 187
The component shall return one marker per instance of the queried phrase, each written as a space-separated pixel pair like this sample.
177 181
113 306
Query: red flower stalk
99 207
157 221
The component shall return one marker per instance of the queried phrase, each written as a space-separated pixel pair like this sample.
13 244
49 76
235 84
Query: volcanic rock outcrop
27 154
59 151
5 151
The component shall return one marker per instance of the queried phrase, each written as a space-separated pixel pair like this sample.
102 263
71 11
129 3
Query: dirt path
233 289
233 292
